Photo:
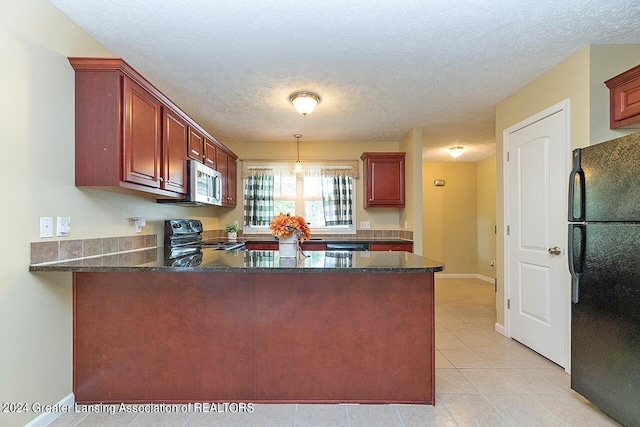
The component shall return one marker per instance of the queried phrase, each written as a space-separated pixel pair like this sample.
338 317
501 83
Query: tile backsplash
63 250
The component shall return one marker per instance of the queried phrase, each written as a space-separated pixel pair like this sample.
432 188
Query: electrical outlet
46 226
365 224
493 263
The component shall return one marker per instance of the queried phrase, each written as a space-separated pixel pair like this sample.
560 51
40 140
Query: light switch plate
63 226
365 224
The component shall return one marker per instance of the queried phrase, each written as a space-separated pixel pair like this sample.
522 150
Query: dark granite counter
208 260
331 239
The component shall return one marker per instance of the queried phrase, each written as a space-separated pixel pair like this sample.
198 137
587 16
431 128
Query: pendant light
298 167
304 102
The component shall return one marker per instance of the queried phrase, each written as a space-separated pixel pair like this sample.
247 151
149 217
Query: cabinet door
228 168
232 173
142 130
174 176
313 246
221 166
625 107
196 144
399 247
262 246
625 99
209 153
384 179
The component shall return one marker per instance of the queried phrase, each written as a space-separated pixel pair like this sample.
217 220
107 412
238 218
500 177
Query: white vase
288 246
232 236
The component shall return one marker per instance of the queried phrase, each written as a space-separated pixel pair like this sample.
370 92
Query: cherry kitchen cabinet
142 136
400 247
132 138
174 144
227 166
624 95
120 126
201 147
313 246
261 246
209 153
196 144
383 179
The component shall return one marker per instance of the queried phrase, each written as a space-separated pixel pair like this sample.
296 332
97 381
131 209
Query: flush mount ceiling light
304 102
456 151
298 167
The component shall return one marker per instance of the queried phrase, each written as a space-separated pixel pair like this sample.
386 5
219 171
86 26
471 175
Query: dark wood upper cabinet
196 144
624 95
142 136
174 148
209 157
131 138
383 179
227 166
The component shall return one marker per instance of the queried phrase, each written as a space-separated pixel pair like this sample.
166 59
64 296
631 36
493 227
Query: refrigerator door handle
576 174
576 257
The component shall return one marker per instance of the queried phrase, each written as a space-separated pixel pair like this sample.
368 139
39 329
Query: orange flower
285 224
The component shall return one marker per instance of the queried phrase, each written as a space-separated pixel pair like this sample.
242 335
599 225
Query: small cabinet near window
383 179
624 95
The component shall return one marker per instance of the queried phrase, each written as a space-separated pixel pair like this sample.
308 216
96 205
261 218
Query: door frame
564 106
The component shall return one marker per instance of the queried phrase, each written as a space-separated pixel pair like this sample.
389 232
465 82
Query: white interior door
537 285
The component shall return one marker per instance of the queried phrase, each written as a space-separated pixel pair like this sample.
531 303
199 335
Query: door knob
555 251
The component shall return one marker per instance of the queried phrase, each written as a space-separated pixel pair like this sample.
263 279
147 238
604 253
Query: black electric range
183 243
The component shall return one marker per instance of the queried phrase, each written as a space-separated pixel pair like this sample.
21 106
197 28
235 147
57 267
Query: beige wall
380 218
37 167
606 62
579 78
450 215
411 215
486 209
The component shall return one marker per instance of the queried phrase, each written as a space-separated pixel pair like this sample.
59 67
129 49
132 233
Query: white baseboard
47 418
500 329
465 276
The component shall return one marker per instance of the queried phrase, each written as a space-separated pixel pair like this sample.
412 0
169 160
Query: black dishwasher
347 246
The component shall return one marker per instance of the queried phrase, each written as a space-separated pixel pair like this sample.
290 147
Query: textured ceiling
380 67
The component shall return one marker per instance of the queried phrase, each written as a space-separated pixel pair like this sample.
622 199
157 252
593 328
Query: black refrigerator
604 262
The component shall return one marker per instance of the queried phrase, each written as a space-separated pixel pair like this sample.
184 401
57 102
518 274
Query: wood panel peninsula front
355 327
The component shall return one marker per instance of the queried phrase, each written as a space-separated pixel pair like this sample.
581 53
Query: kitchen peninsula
334 327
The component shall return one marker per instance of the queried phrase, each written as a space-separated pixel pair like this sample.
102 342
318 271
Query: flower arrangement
285 224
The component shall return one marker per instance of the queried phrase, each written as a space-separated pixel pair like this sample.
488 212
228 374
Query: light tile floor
482 379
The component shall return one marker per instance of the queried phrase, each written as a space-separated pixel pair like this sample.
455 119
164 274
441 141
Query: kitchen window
324 194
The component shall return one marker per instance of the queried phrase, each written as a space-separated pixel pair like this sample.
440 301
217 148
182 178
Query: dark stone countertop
209 260
333 239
